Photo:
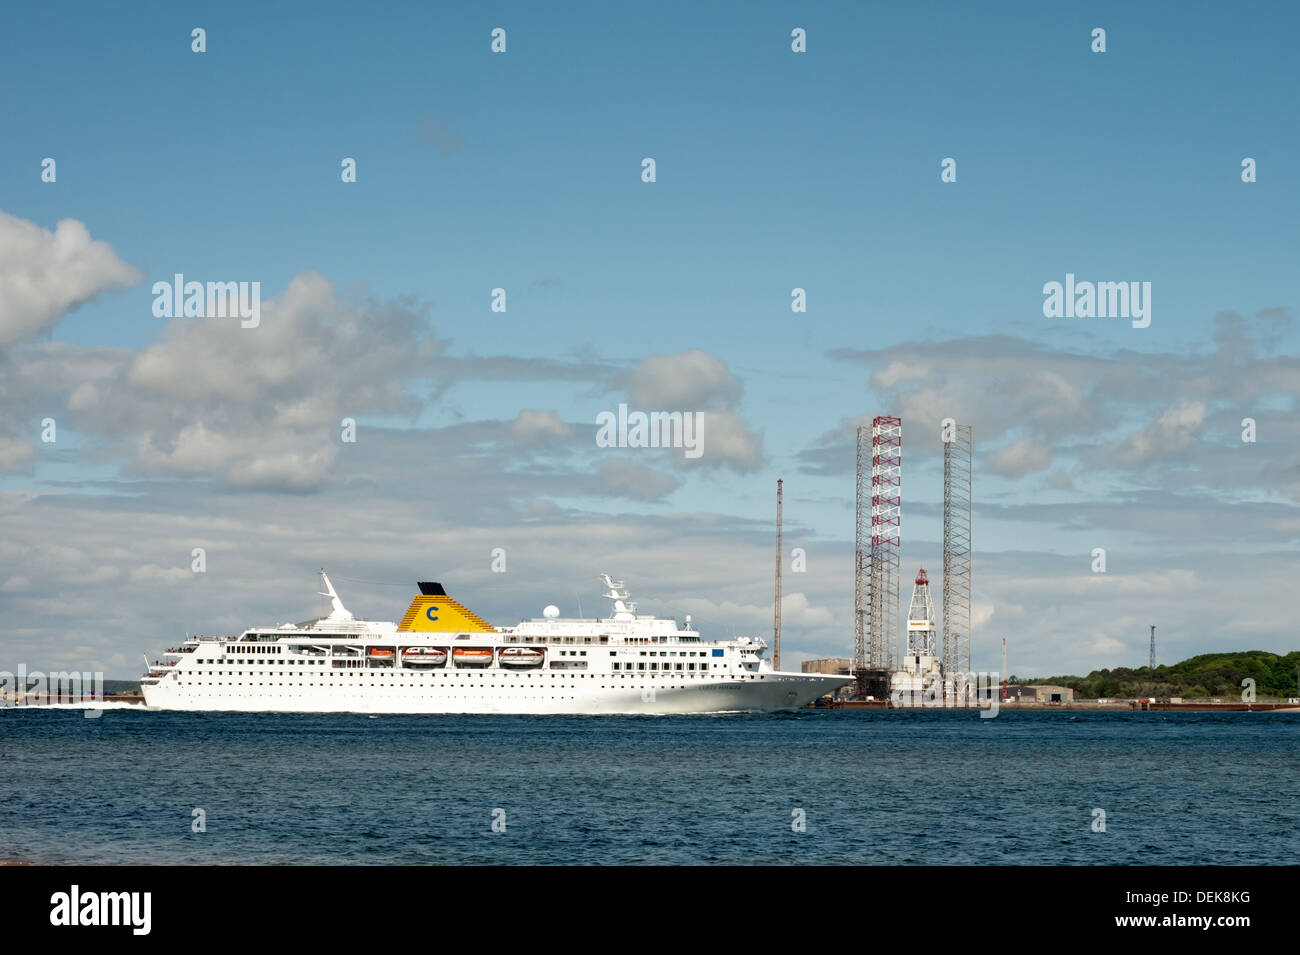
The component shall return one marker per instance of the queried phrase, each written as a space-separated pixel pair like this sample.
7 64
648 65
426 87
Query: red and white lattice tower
886 542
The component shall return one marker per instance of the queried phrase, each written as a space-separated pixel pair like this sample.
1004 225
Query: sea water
819 787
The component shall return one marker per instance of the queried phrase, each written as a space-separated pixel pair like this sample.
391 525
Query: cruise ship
444 658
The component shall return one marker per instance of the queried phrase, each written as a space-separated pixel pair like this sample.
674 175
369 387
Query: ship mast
339 612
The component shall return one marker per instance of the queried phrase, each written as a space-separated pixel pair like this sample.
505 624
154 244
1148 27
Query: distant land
1199 677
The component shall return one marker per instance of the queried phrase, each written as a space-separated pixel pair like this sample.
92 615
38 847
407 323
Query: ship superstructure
441 657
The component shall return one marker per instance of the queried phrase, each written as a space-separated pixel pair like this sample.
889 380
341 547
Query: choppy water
874 788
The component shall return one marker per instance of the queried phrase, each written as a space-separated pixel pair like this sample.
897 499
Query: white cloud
725 438
44 275
261 407
535 426
626 479
1062 407
694 381
15 455
153 574
1058 480
1170 435
798 610
690 381
1019 458
981 613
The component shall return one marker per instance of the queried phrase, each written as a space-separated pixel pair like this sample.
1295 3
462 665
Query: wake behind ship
444 658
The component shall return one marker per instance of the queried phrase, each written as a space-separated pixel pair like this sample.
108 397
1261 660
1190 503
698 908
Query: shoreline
1083 705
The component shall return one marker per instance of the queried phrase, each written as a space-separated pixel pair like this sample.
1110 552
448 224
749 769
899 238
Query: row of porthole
625 676
386 685
508 686
232 692
582 676
334 686
455 697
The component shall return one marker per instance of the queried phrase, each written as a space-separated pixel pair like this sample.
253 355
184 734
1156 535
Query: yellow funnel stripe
441 615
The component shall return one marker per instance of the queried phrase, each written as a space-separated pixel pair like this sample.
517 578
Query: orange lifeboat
385 653
424 657
472 656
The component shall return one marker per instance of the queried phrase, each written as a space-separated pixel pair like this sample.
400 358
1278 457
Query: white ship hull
505 692
626 664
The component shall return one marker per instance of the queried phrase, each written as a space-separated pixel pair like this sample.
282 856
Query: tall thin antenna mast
1004 668
776 613
1152 664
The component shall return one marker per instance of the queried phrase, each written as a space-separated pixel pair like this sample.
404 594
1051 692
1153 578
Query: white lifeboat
424 657
472 656
522 657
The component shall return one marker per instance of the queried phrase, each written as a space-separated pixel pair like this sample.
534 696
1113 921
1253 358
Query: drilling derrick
921 628
918 675
956 556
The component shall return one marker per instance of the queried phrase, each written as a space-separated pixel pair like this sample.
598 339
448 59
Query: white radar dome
551 612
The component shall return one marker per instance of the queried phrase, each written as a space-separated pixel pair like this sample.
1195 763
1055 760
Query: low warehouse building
1041 693
835 666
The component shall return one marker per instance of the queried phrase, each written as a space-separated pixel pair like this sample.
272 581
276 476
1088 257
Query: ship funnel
433 611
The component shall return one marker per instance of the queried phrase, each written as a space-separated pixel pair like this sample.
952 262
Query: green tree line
1207 675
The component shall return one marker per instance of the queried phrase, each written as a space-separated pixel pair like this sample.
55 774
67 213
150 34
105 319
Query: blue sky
775 170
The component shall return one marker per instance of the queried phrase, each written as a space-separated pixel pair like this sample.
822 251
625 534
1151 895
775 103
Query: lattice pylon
862 552
886 541
957 450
